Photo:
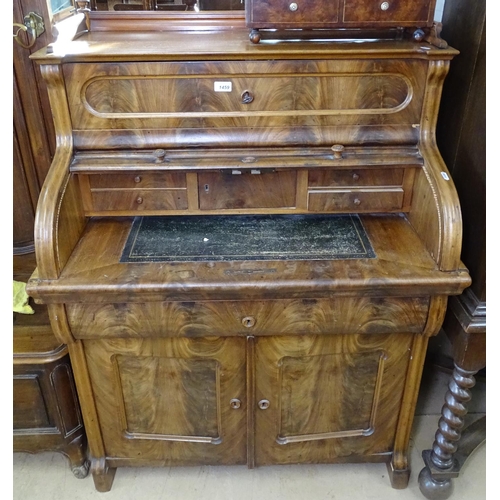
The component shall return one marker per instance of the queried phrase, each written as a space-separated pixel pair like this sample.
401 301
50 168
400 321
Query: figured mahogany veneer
247 362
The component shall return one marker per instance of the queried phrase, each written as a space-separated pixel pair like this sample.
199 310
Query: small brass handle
355 177
235 403
248 321
357 201
139 200
263 404
246 97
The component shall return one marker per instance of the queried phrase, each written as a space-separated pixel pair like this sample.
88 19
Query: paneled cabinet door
174 401
321 398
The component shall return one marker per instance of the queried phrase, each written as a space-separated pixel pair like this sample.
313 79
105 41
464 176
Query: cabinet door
170 401
321 398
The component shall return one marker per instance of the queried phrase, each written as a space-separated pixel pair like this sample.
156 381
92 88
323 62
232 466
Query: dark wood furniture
47 416
461 134
414 15
245 361
46 413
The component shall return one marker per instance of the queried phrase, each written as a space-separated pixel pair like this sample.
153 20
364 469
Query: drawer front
245 103
293 12
159 180
356 200
356 177
247 191
389 12
138 200
343 315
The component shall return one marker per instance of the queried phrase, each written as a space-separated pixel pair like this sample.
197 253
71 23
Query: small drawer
119 200
356 177
262 189
388 11
161 180
356 200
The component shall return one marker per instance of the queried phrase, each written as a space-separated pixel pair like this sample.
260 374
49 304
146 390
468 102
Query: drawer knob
139 200
235 403
263 404
384 6
337 149
355 177
137 179
357 201
248 321
159 155
246 97
293 7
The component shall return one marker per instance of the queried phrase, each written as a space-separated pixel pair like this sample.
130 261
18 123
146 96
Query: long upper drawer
245 102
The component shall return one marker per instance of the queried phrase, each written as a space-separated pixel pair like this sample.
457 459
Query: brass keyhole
248 321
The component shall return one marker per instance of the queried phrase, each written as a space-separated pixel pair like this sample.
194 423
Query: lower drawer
356 200
343 315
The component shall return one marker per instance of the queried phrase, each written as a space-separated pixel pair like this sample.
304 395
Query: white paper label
223 86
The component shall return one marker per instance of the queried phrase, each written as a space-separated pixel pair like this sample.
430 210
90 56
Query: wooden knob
337 151
159 155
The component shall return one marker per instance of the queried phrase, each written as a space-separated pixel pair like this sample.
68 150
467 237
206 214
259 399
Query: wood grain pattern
329 98
435 212
257 362
292 373
206 373
341 315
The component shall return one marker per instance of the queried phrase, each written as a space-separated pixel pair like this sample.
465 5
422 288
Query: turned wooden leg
440 465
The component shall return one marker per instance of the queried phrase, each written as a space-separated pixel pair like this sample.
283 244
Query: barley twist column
435 479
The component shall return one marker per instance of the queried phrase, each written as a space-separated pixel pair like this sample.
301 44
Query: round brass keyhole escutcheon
248 321
263 404
235 403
